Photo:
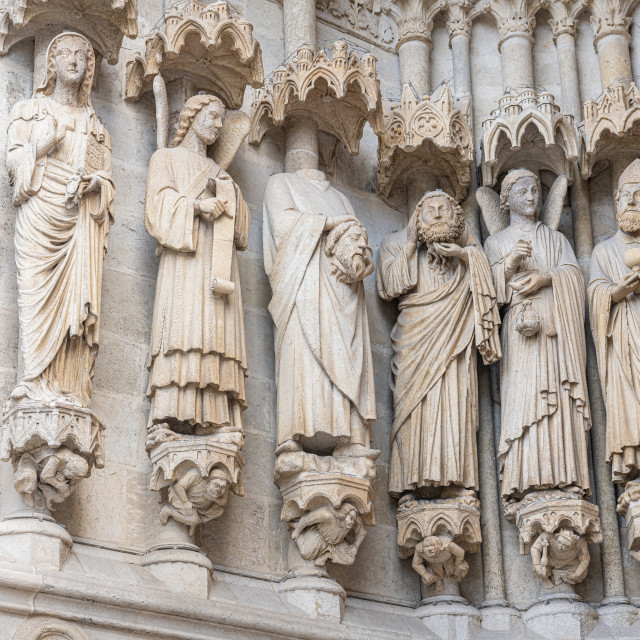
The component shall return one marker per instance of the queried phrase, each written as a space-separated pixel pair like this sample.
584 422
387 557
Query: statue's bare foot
355 450
288 446
159 433
407 497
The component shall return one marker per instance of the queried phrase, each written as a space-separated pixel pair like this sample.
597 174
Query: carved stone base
450 617
35 542
555 527
498 616
438 533
561 616
327 501
197 473
618 613
317 597
51 446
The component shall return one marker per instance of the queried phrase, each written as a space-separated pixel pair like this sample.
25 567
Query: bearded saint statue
316 254
543 390
614 303
448 312
59 163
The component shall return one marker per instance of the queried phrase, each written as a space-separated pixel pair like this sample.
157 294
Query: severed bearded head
348 247
440 218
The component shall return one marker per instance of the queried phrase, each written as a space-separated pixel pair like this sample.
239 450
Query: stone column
564 31
517 59
414 54
459 27
299 25
301 143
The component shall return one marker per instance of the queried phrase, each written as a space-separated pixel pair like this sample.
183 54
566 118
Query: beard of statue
629 219
440 231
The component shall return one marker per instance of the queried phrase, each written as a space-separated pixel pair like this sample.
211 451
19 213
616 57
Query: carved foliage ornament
610 17
209 44
431 132
341 94
106 22
609 125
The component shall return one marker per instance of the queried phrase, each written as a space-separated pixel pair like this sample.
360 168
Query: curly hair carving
191 109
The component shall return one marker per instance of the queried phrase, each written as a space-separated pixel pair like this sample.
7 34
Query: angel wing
552 210
489 202
235 129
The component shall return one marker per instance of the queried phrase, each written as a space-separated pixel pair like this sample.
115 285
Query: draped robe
59 249
197 359
324 369
616 333
543 391
446 314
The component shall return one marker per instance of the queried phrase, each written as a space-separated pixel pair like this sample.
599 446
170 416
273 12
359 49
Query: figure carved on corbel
210 44
614 292
431 133
528 127
106 22
197 357
438 512
341 94
610 126
540 285
555 528
59 163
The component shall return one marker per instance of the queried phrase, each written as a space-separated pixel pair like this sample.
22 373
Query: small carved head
348 516
440 218
75 467
71 62
203 113
566 538
431 546
520 193
628 199
348 245
217 484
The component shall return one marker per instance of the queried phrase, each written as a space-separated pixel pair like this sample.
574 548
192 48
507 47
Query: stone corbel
610 126
327 505
528 125
104 22
629 509
555 528
340 94
433 134
209 44
196 475
51 447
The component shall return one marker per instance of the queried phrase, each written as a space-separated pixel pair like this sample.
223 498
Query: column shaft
301 143
517 61
299 24
461 66
569 82
614 59
414 58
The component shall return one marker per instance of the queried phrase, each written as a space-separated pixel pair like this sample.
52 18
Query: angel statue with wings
543 390
196 213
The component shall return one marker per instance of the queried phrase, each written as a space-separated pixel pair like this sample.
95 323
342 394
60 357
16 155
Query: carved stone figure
437 557
448 312
327 533
560 557
614 303
197 214
316 255
544 400
59 163
194 500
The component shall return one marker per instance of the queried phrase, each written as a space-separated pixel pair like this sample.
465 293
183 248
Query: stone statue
448 312
196 212
559 557
194 500
438 557
316 254
543 391
59 163
614 303
327 533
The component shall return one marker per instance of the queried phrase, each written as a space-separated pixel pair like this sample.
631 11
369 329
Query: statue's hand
332 223
449 250
51 139
530 284
627 285
93 183
210 208
521 251
540 571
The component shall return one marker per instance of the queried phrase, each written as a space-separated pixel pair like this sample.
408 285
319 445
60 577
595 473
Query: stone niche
431 134
105 22
341 94
210 46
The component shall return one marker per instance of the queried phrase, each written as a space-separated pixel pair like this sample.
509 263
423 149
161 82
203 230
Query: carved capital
197 472
51 448
555 528
327 502
458 19
565 25
610 17
414 29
